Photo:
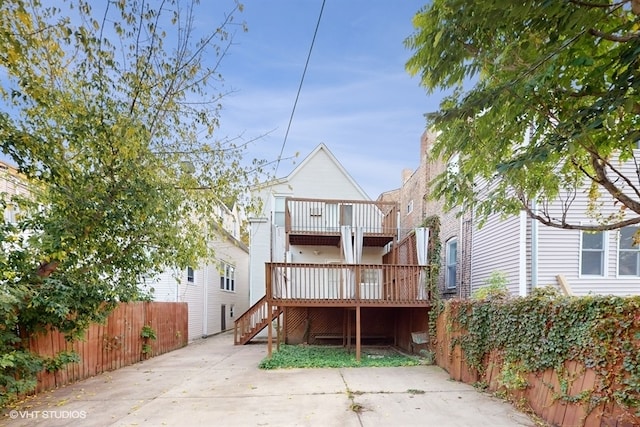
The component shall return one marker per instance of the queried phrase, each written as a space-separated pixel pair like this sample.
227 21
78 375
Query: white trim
522 264
605 255
446 263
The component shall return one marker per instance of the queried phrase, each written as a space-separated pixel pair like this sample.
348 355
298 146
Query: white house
319 176
320 263
216 291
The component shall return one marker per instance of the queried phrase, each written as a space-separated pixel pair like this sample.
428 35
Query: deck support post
270 330
358 335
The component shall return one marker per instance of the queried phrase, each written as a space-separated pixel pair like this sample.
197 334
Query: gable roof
321 147
325 149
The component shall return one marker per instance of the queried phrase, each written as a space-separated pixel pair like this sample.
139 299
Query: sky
356 98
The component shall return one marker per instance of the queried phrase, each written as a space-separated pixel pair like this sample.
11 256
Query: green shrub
495 287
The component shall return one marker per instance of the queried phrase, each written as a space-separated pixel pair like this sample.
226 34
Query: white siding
318 176
496 247
559 253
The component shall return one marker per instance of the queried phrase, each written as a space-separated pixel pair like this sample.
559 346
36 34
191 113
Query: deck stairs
254 320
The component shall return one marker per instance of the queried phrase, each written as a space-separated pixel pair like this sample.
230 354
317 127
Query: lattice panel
327 321
296 324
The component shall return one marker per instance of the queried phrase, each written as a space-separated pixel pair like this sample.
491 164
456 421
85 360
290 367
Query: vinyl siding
496 246
559 253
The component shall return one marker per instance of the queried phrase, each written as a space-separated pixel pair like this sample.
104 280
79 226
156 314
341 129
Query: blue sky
357 97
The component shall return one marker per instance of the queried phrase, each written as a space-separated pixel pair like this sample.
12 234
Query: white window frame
410 207
227 277
449 264
278 216
605 256
621 250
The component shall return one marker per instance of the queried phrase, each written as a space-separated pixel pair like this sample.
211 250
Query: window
628 252
190 275
278 211
451 263
410 207
227 277
592 254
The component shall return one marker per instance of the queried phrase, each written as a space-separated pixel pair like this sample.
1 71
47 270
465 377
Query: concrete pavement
214 383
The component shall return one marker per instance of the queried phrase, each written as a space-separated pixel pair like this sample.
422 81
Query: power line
295 103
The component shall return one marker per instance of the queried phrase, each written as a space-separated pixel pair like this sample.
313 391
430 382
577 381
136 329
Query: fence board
115 344
543 387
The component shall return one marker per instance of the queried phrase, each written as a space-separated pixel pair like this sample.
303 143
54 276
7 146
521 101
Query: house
11 184
319 263
217 291
454 232
529 253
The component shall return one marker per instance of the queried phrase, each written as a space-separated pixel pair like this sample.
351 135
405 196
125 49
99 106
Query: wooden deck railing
324 216
253 321
346 285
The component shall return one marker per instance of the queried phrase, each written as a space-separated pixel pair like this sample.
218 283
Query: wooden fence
542 388
116 343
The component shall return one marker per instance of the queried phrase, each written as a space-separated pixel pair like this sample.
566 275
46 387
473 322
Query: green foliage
495 287
18 369
543 96
148 333
544 330
111 124
433 272
61 360
304 356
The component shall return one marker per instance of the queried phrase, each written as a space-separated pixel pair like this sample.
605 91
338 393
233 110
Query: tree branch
613 37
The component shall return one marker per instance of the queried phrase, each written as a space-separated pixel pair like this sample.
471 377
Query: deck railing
321 216
346 284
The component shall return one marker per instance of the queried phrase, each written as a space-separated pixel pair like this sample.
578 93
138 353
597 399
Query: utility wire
295 103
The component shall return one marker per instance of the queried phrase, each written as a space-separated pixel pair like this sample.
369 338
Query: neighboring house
217 291
455 229
11 184
532 254
317 256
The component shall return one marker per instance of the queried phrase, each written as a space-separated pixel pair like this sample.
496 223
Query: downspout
534 248
205 303
522 268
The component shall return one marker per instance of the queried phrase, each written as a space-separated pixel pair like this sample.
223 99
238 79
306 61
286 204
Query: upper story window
227 277
410 207
278 210
451 261
628 252
592 253
190 275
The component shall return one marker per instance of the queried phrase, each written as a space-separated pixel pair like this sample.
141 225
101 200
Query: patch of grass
306 356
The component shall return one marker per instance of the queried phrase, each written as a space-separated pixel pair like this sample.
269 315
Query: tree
110 116
553 105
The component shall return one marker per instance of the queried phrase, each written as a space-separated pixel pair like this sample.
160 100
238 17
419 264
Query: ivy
544 330
433 272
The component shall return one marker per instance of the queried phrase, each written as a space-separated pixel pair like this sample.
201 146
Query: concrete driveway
214 383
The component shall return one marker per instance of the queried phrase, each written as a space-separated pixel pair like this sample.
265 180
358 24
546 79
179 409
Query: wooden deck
346 285
318 221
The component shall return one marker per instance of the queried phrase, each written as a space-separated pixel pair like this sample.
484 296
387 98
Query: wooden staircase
252 321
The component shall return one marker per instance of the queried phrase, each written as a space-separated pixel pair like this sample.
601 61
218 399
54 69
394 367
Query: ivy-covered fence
573 361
